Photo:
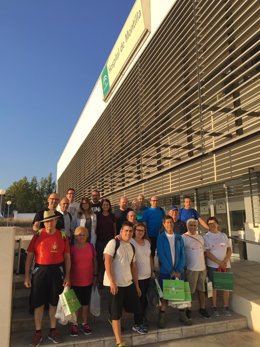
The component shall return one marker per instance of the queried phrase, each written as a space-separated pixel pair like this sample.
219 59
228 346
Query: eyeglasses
140 230
154 200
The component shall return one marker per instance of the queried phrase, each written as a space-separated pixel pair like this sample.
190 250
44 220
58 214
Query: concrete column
251 187
7 246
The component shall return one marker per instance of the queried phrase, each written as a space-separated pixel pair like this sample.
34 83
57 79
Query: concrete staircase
23 326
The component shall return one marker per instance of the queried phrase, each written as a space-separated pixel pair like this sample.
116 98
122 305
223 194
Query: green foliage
30 196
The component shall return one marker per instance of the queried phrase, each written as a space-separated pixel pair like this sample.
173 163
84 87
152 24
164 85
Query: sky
51 55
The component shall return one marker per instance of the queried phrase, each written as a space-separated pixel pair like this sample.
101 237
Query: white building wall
95 105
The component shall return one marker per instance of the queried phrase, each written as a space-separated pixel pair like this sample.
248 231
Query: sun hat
49 215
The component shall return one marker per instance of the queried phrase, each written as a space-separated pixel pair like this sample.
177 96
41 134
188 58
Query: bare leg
52 311
163 305
226 298
116 325
38 314
214 298
84 313
202 299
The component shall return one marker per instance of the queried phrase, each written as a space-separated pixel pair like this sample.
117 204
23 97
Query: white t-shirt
194 252
217 244
143 259
121 264
171 239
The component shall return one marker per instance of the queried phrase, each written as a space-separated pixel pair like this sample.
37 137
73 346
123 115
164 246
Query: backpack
117 246
63 234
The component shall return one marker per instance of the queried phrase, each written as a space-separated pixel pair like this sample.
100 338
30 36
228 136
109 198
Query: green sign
105 81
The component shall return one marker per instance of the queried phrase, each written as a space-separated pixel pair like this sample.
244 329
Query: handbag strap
194 238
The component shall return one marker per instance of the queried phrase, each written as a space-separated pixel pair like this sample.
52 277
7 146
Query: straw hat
49 215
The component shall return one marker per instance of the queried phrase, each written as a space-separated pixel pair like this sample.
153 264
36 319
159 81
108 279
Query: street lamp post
2 193
8 209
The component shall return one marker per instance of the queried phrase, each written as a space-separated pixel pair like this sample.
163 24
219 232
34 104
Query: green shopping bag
173 290
70 302
223 281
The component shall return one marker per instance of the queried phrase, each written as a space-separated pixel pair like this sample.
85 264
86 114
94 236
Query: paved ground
237 339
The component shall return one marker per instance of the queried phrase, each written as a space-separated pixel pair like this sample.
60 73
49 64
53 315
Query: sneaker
215 312
227 312
161 320
121 344
74 330
54 336
184 319
86 329
204 313
36 339
139 329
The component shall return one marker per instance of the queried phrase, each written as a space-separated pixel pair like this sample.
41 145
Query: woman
86 218
106 230
83 275
218 253
142 246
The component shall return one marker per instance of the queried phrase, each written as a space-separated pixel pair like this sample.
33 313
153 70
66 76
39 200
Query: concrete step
103 337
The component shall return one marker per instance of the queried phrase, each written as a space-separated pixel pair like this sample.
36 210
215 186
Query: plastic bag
61 312
95 302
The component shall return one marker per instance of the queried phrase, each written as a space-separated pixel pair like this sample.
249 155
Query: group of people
85 244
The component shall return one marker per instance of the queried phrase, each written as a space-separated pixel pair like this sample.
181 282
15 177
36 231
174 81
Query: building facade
182 119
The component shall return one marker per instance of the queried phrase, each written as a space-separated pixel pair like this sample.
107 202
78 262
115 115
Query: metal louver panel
187 114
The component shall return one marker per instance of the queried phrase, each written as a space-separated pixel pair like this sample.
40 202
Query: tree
30 196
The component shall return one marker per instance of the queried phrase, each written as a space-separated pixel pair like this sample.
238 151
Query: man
178 225
195 262
121 213
171 256
141 207
73 205
95 202
218 254
131 217
69 223
188 212
152 217
51 251
122 280
53 201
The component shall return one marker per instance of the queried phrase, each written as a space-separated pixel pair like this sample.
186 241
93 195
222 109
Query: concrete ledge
247 308
7 235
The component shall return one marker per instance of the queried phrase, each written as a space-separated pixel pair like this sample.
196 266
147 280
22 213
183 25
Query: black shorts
126 298
47 284
83 294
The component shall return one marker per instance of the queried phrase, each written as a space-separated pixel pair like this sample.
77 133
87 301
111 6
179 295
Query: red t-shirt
49 248
82 269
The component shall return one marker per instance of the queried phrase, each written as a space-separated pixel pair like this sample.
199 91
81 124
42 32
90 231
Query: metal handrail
237 238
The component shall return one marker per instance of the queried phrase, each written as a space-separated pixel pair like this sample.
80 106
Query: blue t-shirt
185 214
153 219
140 213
